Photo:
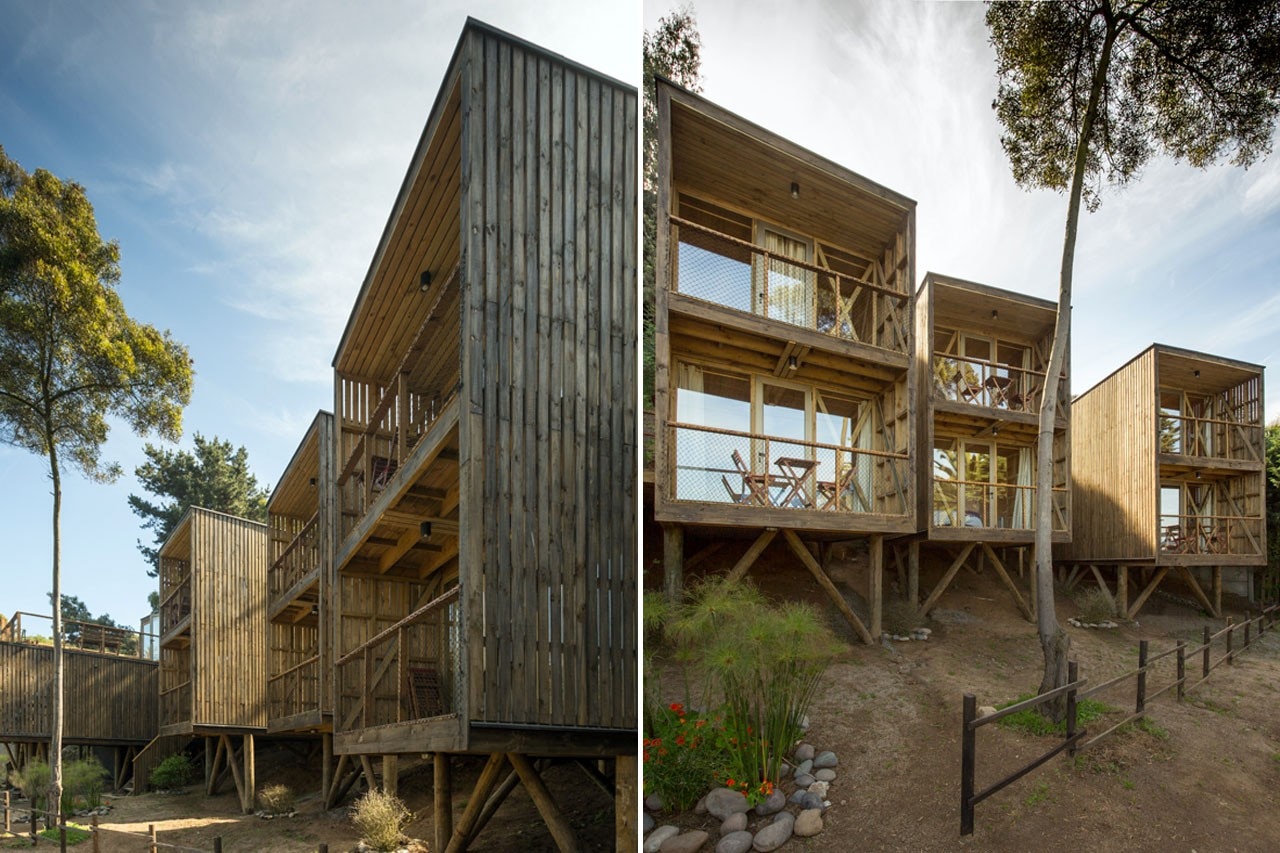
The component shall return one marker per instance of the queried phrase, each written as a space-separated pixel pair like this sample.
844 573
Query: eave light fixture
424 281
995 314
425 529
792 363
795 189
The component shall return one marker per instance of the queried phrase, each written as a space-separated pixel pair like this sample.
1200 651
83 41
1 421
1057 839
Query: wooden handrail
382 635
988 485
800 442
295 667
294 543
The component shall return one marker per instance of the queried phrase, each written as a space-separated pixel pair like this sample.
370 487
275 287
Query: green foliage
277 799
1095 605
1196 81
76 834
672 50
173 773
900 616
762 660
684 758
84 781
380 819
1033 722
213 475
72 355
33 782
75 612
1271 576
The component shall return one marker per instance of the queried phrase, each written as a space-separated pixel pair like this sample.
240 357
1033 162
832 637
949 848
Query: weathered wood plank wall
547 433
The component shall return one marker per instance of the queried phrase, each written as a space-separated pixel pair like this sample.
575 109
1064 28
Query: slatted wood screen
108 699
548 453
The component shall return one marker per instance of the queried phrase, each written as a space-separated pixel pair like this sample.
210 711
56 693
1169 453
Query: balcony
1209 438
299 559
995 385
980 505
1233 535
723 466
408 671
175 704
175 603
296 690
850 304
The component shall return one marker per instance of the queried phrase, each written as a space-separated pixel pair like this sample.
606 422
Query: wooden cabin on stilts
1170 478
981 360
485 436
213 648
301 524
109 699
784 408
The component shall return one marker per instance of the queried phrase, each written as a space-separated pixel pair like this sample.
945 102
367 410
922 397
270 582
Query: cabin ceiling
724 164
295 495
970 309
1179 371
423 234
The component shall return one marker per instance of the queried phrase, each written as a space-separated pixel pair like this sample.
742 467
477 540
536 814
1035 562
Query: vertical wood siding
547 433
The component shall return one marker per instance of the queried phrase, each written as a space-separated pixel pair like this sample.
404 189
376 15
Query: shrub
900 616
683 756
84 779
33 781
276 799
380 819
1095 605
174 772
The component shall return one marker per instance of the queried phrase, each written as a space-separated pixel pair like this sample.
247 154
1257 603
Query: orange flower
680 740
677 707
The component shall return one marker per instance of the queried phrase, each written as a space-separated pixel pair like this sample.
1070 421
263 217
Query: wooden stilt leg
753 553
913 572
443 800
825 582
947 578
247 755
625 800
673 561
484 785
876 603
391 774
326 768
1122 590
561 831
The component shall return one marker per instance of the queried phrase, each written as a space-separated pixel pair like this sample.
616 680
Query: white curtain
865 470
790 289
1022 502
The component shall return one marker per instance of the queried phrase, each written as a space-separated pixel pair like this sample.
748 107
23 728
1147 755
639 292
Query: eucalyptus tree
72 357
1091 90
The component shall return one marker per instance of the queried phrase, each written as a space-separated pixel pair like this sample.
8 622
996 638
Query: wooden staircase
160 748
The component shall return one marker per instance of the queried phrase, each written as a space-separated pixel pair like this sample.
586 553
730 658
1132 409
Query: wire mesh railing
410 670
1209 438
978 503
1235 535
727 271
714 465
992 384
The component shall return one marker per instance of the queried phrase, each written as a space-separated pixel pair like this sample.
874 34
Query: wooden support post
1198 592
488 778
151 834
210 753
391 774
747 560
1141 703
673 561
1146 593
443 800
875 558
825 582
93 828
1073 674
1031 581
913 572
1217 591
1182 669
250 774
1122 590
998 565
8 824
968 762
626 794
932 600
1231 658
235 763
370 780
326 768
561 831
219 756
1207 640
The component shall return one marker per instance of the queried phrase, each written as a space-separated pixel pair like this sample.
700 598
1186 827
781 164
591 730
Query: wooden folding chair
754 485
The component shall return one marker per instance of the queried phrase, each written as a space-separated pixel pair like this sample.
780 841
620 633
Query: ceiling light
795 190
424 281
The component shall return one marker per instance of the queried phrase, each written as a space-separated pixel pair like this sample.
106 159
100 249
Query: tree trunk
1054 642
55 747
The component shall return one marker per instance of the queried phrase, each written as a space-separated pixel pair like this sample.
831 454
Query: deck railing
1234 535
713 465
736 274
76 634
176 605
175 704
1209 438
299 558
992 384
296 690
408 671
992 505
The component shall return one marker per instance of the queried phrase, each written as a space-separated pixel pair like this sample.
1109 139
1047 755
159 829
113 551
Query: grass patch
1151 727
1038 795
76 834
1033 723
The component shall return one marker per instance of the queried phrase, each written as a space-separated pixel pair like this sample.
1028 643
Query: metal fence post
1142 676
1182 669
967 761
1072 673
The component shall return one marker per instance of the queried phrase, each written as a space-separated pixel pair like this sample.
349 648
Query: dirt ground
191 821
1205 777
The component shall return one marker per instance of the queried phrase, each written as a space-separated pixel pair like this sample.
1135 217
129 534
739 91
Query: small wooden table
795 471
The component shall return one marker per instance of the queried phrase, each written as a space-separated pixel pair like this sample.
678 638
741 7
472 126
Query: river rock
733 823
775 834
772 804
723 802
812 801
826 759
653 843
826 774
820 788
735 842
649 824
685 842
653 803
701 806
804 780
805 752
809 823
796 796
804 767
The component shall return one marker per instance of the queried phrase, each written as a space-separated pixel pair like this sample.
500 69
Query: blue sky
246 156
